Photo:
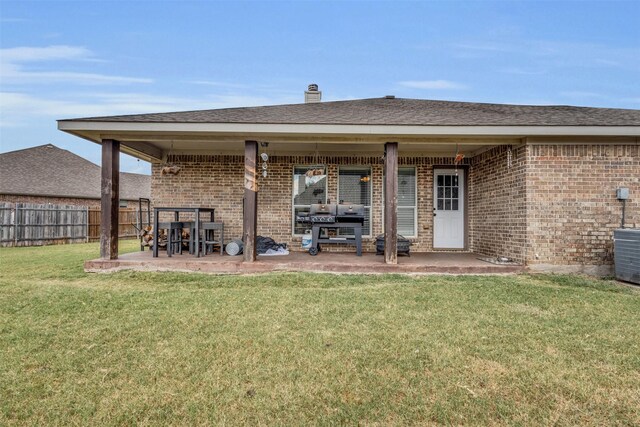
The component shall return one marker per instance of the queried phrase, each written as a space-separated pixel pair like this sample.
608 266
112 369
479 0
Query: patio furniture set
204 236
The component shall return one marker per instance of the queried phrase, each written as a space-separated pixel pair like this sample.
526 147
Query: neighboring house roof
396 111
47 170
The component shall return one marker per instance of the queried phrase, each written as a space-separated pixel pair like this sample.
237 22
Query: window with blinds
407 202
407 210
309 186
354 187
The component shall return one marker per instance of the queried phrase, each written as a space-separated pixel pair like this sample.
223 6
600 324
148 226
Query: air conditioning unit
626 253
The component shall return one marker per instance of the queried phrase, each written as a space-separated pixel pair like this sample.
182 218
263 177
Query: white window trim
355 167
293 205
415 207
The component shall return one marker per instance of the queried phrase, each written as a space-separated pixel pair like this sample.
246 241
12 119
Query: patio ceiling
154 145
153 141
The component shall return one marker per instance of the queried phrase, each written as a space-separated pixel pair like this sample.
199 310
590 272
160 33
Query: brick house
47 174
533 183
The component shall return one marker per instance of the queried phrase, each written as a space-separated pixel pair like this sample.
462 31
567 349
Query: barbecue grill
322 212
330 215
350 213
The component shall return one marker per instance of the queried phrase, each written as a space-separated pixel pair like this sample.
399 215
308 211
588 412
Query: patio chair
191 226
209 238
174 236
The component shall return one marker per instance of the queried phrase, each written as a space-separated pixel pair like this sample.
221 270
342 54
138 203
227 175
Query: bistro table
196 211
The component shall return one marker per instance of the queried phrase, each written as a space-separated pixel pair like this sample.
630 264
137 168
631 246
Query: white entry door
448 209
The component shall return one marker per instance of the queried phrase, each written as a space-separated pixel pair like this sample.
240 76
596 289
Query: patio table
177 210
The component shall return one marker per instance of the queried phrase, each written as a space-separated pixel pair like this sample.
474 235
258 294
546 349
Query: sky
68 59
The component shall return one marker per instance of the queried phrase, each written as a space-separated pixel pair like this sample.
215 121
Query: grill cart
333 217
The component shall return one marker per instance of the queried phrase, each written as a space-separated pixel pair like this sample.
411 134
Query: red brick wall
498 205
207 180
572 202
551 204
204 180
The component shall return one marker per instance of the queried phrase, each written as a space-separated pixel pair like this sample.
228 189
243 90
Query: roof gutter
111 128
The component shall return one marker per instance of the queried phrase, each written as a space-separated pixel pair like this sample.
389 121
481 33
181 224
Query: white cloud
432 84
13 71
20 109
12 74
30 54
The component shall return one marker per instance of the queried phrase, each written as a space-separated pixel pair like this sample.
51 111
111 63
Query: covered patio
219 154
454 178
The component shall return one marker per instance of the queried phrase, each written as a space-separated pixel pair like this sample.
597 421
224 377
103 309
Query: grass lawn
300 349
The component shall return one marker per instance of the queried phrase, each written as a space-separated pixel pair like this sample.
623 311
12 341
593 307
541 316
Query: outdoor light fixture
265 157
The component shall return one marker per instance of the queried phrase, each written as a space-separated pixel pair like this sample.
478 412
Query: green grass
309 349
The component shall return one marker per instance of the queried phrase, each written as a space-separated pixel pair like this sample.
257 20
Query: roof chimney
312 94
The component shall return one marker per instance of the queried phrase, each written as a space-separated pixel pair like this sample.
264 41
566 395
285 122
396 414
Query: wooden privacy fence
28 224
127 223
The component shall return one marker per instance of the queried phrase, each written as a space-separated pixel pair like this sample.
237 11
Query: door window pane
447 193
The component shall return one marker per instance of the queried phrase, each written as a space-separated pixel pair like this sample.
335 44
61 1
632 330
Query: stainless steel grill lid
349 210
322 209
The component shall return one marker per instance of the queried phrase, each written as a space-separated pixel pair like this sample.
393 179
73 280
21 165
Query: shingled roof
397 111
47 170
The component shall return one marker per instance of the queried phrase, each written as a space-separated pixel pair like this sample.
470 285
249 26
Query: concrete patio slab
334 262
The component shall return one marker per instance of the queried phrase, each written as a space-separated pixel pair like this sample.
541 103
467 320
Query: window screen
354 187
309 186
407 202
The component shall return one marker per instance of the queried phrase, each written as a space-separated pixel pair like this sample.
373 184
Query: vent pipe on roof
312 94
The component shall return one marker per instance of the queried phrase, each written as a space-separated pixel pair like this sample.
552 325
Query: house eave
255 129
152 141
